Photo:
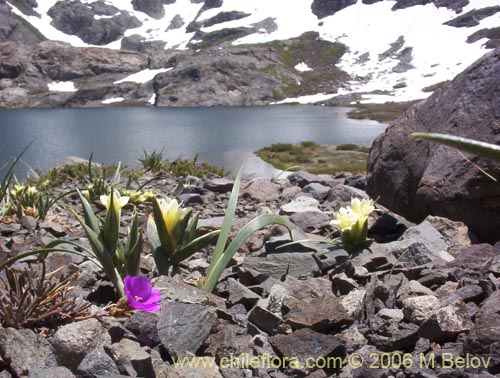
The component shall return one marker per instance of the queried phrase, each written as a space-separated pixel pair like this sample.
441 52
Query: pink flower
141 295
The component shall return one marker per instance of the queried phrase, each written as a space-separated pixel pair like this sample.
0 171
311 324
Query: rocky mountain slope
231 52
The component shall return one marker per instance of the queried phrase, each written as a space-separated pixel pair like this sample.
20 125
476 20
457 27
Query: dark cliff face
12 29
416 178
75 18
325 8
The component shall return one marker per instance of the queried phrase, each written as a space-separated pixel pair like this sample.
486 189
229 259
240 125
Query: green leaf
10 172
481 149
89 216
194 247
218 265
162 260
227 223
191 229
133 248
161 228
181 226
111 229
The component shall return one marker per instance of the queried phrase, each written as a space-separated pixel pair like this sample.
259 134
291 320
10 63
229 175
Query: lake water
225 136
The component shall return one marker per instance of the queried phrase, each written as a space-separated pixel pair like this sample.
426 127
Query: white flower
118 201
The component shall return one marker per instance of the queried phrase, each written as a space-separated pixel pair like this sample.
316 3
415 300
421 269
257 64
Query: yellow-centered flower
171 212
345 218
32 191
118 200
362 208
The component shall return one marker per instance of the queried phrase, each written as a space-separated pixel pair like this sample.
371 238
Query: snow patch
306 99
112 100
152 100
143 76
62 86
302 67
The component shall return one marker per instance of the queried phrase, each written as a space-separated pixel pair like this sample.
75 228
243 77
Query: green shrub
281 147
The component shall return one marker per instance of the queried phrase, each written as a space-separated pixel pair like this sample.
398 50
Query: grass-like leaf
481 149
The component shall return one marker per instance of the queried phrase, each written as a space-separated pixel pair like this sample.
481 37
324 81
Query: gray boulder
416 178
153 8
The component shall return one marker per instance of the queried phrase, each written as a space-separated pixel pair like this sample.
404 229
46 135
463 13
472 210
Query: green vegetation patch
384 113
316 158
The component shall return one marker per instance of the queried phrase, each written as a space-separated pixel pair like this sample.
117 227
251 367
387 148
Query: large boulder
12 29
416 178
75 18
153 8
325 8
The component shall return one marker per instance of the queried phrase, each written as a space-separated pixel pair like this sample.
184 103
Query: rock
182 327
219 185
72 341
25 351
324 8
340 195
188 199
84 62
415 178
418 309
239 293
275 243
9 228
354 302
433 241
310 221
305 343
409 252
131 359
412 289
95 363
28 222
447 323
153 8
75 18
13 29
303 178
475 257
473 17
205 368
357 181
175 290
143 326
319 314
261 189
51 372
300 205
280 265
343 284
484 338
317 191
266 320
471 293
455 233
136 42
391 314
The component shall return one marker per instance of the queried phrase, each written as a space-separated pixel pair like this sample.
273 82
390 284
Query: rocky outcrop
136 42
26 6
213 78
492 35
473 17
153 8
325 8
75 18
12 29
60 61
455 5
416 178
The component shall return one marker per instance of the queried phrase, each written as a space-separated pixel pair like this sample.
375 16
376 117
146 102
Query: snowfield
438 52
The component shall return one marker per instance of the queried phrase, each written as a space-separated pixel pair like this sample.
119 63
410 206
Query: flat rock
283 264
26 351
319 314
317 191
305 343
426 234
239 293
300 205
182 327
412 289
219 185
455 233
261 189
303 178
51 372
354 302
310 221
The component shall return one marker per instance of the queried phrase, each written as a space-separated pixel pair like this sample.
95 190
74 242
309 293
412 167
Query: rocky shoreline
425 292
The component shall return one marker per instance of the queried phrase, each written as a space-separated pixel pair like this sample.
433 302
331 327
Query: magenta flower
141 295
